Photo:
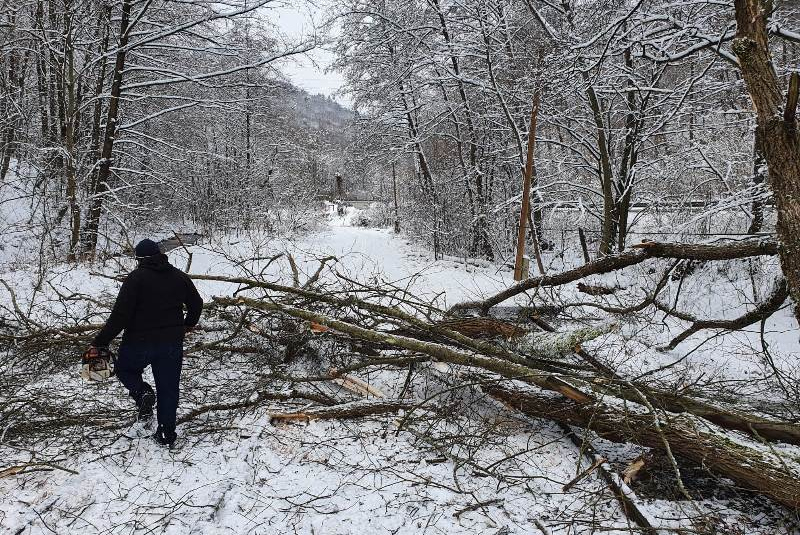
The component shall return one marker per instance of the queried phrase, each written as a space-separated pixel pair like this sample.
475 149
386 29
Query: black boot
145 401
165 435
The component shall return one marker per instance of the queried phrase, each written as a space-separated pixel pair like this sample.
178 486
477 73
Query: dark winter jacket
150 303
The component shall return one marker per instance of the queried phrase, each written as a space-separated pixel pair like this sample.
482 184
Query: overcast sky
297 19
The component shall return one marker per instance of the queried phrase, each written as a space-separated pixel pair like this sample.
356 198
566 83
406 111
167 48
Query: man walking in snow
149 308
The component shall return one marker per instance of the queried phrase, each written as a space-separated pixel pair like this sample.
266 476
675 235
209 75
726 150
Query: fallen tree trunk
637 255
756 426
439 352
354 409
571 386
746 466
393 313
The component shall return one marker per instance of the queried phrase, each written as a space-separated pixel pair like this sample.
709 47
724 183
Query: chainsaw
97 364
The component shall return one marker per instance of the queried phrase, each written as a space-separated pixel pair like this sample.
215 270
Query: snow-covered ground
237 473
365 253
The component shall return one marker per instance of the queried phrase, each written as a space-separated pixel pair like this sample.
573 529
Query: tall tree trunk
481 243
759 178
605 172
55 101
624 181
413 134
69 125
525 212
459 146
14 86
7 152
396 207
535 219
777 123
104 170
41 73
103 30
58 96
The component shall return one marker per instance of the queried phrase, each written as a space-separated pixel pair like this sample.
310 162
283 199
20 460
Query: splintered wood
343 411
355 385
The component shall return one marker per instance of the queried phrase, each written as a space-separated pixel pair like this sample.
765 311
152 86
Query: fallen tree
579 386
390 326
393 314
760 428
576 404
439 352
536 356
638 254
685 436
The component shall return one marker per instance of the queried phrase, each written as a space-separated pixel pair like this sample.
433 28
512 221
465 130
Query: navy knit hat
146 248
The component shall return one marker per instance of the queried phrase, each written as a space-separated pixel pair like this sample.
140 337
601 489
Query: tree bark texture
777 127
748 467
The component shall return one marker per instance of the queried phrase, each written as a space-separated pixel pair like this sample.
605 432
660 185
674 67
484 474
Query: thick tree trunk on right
777 126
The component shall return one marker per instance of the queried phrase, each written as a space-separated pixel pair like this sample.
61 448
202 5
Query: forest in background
151 116
645 123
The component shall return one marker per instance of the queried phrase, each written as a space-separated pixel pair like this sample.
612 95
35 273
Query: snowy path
365 253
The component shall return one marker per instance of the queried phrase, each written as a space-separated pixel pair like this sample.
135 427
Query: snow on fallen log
686 436
556 344
579 387
342 411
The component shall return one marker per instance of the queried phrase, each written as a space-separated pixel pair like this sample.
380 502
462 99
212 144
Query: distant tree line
116 115
643 102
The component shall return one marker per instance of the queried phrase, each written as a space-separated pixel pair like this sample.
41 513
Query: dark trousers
166 359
